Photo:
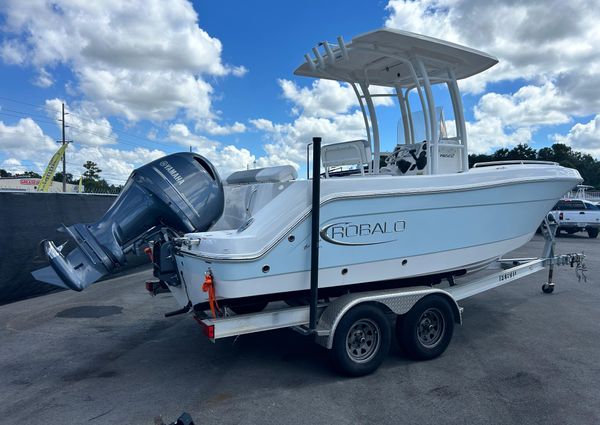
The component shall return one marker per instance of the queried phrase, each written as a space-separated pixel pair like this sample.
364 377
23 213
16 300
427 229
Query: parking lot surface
107 355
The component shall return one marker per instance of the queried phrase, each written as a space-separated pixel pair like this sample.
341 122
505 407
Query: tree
522 151
4 173
546 154
92 171
100 186
501 155
475 158
58 177
30 174
588 167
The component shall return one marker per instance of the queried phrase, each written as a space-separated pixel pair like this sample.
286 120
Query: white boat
423 215
379 224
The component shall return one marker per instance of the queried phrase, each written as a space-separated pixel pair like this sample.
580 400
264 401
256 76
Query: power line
25 113
12 112
19 116
83 130
80 117
29 104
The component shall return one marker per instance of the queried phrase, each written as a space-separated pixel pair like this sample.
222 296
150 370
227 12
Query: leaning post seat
281 173
353 152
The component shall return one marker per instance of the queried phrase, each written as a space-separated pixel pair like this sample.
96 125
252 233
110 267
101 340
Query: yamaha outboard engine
181 191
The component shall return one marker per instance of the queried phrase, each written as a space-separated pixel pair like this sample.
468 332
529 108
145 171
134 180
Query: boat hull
384 237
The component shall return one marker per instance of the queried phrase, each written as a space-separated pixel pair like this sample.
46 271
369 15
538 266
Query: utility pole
64 158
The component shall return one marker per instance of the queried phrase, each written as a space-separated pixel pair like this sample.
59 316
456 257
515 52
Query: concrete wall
26 219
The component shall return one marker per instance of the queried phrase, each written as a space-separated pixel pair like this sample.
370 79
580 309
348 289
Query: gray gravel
107 355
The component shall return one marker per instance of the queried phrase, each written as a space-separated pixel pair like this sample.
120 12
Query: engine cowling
181 191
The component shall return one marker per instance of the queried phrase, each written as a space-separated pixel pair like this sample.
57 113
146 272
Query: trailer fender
397 301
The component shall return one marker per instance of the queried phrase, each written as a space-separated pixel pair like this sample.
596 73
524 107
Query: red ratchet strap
209 287
148 252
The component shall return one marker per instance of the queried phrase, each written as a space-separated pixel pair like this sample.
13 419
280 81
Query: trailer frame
399 301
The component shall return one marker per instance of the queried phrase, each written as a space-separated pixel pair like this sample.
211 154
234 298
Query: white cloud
27 147
43 79
85 125
286 143
552 45
116 164
529 106
11 162
215 129
154 95
536 41
12 52
140 65
487 135
505 120
583 137
181 134
13 166
328 109
239 71
226 159
25 140
327 98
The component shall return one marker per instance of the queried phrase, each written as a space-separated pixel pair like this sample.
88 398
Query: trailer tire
249 308
547 289
361 341
426 330
592 233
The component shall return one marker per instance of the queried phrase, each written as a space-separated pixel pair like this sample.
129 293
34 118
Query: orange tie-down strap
209 287
148 252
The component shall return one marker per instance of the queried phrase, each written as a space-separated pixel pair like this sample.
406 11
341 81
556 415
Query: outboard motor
181 191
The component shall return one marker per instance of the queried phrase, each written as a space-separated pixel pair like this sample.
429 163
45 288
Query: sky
141 79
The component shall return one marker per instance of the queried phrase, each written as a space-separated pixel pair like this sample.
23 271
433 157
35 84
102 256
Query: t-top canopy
383 57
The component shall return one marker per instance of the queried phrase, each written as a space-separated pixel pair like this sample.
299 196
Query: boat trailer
357 327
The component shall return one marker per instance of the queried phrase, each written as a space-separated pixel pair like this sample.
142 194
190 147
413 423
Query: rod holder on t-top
314 237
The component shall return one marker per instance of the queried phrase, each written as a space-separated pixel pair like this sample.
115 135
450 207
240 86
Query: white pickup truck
577 215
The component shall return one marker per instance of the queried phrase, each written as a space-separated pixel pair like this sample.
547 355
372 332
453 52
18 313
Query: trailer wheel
547 289
249 308
361 340
592 233
426 330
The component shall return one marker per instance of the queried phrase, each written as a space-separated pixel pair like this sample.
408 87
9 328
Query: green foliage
99 186
92 182
26 174
92 171
587 166
30 174
58 177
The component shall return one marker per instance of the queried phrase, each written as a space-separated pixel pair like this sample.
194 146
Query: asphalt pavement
107 355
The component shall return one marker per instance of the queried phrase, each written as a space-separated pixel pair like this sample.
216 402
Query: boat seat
281 173
353 152
407 160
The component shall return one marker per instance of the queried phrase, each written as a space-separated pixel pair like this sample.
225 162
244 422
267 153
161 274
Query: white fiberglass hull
458 222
